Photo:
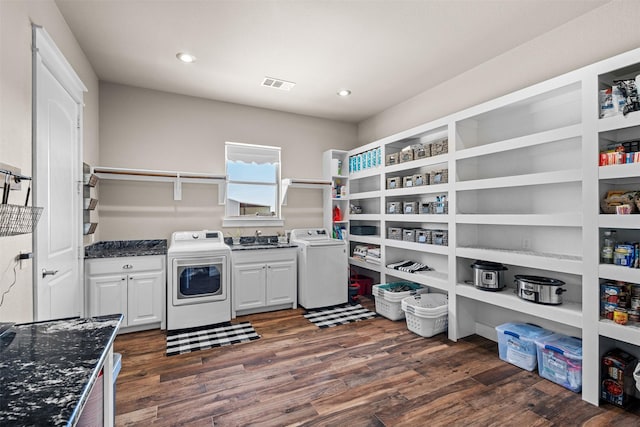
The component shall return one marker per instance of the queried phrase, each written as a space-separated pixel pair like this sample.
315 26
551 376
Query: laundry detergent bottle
337 214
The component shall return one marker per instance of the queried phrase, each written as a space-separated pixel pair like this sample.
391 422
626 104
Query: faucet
257 236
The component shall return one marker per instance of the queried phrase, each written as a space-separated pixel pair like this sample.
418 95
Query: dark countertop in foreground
124 248
47 369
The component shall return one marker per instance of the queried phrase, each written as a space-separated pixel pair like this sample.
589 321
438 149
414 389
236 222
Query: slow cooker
542 290
488 276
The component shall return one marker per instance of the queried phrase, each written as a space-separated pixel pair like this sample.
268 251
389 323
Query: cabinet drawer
124 265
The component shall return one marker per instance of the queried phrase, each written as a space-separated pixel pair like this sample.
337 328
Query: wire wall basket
15 219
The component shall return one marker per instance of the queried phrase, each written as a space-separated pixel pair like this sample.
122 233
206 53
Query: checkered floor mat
193 339
338 315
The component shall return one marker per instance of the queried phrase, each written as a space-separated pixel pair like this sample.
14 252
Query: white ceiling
384 51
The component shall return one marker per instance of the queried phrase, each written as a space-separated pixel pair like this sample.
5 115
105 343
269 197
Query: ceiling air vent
277 83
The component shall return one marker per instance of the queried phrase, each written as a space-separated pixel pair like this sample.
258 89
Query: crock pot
488 276
542 290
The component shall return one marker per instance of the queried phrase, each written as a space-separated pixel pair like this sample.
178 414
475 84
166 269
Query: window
253 191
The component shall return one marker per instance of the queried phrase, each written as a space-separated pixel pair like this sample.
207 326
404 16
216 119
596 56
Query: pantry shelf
374 240
435 279
619 273
556 177
364 217
366 173
540 138
421 189
434 218
555 220
415 164
619 221
619 122
625 333
627 170
568 313
551 262
422 247
365 195
368 265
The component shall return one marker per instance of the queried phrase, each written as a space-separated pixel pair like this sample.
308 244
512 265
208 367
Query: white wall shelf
440 159
619 221
433 218
627 170
363 264
417 190
420 247
567 132
549 220
435 279
364 217
619 273
555 177
619 122
373 240
366 173
175 177
365 195
551 262
313 184
625 333
568 313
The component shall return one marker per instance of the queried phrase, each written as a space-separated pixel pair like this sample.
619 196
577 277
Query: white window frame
251 221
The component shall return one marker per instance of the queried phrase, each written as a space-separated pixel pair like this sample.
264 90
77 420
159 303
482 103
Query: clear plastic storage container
560 360
516 343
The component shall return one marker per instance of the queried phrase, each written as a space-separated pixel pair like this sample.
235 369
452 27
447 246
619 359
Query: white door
57 110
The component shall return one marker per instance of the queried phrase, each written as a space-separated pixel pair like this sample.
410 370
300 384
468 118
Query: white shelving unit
335 169
523 190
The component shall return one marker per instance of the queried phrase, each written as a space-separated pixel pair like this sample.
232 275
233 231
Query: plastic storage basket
427 315
389 297
516 343
560 360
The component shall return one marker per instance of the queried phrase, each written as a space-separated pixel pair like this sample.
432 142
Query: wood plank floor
368 373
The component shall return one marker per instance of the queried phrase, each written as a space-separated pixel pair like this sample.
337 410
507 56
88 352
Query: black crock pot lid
488 265
539 280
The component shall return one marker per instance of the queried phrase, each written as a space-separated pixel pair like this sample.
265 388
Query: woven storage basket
440 237
439 177
439 208
440 147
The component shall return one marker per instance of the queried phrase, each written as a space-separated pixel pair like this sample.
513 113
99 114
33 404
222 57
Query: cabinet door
281 282
108 294
145 298
248 286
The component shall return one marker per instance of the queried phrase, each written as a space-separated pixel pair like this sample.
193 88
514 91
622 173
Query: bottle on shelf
608 245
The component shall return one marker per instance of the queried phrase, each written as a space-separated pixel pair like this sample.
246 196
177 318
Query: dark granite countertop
124 248
47 369
257 243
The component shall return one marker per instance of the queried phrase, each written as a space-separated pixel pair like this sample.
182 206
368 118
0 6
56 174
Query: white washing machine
198 288
323 276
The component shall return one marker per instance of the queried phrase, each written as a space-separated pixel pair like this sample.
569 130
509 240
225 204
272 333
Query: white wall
604 32
147 129
15 125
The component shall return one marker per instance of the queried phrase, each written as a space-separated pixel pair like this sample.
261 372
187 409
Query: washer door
199 280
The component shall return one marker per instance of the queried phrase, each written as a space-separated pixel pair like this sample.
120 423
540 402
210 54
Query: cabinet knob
127 267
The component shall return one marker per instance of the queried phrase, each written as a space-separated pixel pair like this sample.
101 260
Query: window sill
252 222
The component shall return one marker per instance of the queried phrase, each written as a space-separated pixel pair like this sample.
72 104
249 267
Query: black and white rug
204 337
338 315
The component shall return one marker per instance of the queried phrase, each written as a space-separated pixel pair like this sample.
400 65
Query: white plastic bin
426 314
388 297
516 343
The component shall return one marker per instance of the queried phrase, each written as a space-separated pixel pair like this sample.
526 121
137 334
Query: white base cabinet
132 286
263 280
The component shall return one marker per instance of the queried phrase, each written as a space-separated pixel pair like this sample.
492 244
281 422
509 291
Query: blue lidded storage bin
516 343
560 360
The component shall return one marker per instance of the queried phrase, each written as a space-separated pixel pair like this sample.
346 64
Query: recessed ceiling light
186 57
344 92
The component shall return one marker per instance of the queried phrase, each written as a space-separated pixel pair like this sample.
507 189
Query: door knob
46 272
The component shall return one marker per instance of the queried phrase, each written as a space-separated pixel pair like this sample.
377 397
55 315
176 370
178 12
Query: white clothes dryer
198 288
